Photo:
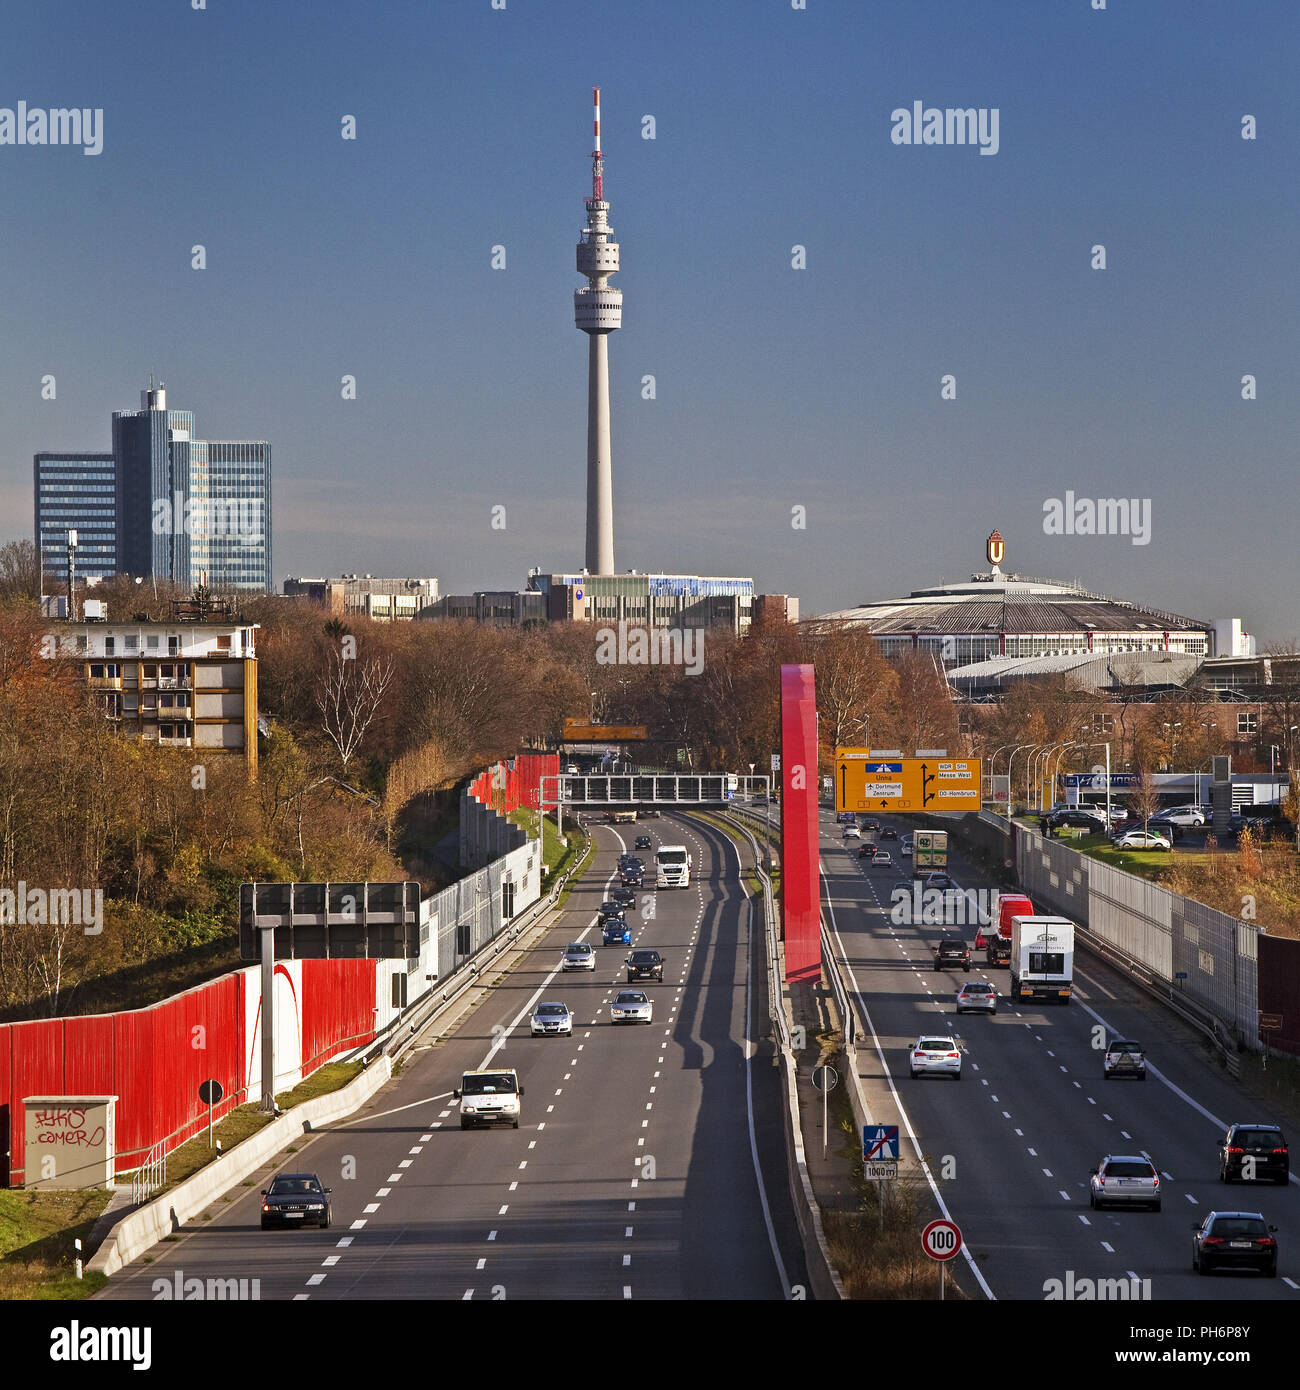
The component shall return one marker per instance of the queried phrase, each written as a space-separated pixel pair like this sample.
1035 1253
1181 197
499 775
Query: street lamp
1017 749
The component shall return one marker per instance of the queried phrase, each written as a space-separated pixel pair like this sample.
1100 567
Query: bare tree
348 696
20 570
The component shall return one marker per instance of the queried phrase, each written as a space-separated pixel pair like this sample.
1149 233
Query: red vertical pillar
800 889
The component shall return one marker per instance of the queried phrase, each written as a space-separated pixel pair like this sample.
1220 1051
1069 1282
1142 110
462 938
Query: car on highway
552 1017
611 907
881 856
951 950
866 850
632 1006
937 880
578 955
642 842
1141 839
625 897
845 818
645 965
1254 1153
489 1098
615 931
936 1055
1234 1240
1125 1180
1124 1057
851 832
905 847
977 997
871 825
887 832
295 1199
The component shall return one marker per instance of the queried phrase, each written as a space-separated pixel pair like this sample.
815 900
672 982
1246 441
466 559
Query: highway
1009 1148
648 1164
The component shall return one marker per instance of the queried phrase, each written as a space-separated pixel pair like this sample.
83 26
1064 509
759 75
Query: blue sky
775 388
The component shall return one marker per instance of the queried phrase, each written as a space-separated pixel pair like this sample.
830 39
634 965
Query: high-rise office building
75 492
183 509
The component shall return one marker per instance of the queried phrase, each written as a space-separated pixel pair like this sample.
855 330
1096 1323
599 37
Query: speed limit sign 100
941 1240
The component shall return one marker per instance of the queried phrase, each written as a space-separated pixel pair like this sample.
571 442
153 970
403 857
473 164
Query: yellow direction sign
883 782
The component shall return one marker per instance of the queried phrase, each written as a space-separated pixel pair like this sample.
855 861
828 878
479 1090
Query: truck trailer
1042 958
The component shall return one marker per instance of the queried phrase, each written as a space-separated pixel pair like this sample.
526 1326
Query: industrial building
383 600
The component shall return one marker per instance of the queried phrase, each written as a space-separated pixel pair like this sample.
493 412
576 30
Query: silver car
977 996
936 1055
578 955
552 1018
1124 1058
1127 1180
632 1006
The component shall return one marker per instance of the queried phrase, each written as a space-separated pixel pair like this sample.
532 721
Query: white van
489 1098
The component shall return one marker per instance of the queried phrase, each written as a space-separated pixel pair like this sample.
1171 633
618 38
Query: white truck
672 866
1042 958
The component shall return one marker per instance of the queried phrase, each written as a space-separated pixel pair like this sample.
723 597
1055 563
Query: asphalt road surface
648 1164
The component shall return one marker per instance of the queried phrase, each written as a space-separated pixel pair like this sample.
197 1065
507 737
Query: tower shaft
598 311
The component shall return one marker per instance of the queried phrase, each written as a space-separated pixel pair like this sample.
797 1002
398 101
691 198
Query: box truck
1042 958
930 849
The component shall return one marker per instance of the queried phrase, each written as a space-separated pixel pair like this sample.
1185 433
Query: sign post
880 1159
941 1240
825 1079
210 1092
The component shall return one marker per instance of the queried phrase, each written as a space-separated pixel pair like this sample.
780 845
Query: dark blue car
616 932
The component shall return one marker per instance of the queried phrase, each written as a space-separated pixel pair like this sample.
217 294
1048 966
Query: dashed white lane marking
627 1289
1047 1172
1021 1133
523 1163
425 1138
1065 1196
300 1296
357 1225
513 1185
627 1260
1132 1275
395 1177
331 1259
1105 1116
344 1241
492 1235
1190 1198
627 1231
1033 1153
503 1210
1006 1114
467 1295
405 1163
1126 1134
631 1206
382 1191
1108 1247
418 1149
1292 1282
316 1279
1084 1219
371 1207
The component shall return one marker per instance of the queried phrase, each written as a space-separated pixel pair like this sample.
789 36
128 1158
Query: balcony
104 682
172 683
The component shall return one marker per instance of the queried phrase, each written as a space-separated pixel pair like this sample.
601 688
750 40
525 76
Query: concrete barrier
165 1215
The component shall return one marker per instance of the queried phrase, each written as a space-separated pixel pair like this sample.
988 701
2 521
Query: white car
1181 815
1141 839
851 832
578 955
936 1055
905 848
979 996
632 1006
881 856
552 1018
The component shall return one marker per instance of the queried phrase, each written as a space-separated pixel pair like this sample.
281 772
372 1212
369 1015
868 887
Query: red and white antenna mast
597 167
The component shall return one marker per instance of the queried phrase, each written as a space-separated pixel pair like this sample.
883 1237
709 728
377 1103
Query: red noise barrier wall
800 894
155 1059
506 788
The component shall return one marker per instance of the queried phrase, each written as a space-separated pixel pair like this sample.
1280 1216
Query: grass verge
37 1230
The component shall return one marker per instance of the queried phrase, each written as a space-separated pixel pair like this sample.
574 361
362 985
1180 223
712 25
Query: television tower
598 311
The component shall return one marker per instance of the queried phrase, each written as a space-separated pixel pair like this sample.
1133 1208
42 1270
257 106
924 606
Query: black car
295 1199
1254 1153
888 833
642 842
951 950
870 825
632 878
1234 1240
611 907
625 897
1082 820
645 965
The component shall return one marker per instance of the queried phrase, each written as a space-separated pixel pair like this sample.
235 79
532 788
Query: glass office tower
76 492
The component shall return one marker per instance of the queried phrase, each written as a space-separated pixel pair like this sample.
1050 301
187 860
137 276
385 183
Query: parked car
552 1017
1124 1057
1127 1180
1078 818
1141 839
1254 1153
936 1055
1180 815
977 996
1234 1240
295 1199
